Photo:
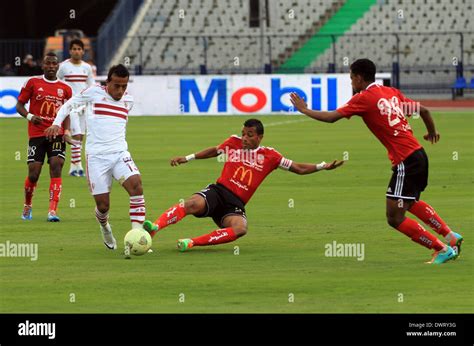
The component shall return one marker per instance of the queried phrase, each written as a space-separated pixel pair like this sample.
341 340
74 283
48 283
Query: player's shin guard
220 236
137 211
429 216
55 187
102 218
170 217
29 191
419 235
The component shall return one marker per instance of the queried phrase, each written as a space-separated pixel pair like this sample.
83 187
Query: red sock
428 215
419 235
220 236
54 193
29 190
170 217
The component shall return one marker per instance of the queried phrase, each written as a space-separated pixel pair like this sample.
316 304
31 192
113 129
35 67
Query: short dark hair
118 70
365 68
53 54
77 42
255 123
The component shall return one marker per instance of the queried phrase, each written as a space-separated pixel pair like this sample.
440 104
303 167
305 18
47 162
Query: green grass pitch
281 265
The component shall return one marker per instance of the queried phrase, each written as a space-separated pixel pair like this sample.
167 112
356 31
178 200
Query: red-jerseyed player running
46 94
247 165
383 109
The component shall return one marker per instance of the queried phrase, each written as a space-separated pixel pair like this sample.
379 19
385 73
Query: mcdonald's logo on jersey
243 174
50 108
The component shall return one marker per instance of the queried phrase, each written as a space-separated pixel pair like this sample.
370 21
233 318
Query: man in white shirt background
78 75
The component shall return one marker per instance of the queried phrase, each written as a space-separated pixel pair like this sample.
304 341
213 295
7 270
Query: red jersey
244 170
383 110
45 98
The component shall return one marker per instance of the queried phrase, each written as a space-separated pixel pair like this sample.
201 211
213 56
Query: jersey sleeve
26 91
60 73
90 77
355 106
232 142
81 99
279 161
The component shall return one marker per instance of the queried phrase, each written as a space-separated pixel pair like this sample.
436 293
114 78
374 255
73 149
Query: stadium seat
458 86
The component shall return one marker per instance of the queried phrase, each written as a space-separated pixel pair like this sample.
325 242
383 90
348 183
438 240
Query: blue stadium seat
458 86
471 85
460 83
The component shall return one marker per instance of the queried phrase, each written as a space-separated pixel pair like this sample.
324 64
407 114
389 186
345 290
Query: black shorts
221 202
39 147
410 177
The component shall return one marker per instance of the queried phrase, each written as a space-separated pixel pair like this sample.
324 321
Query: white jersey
78 77
106 119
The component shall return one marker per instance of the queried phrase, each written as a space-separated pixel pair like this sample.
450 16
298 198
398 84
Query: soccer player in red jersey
383 110
46 94
246 166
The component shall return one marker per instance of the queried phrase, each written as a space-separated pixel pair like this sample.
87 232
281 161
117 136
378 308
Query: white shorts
101 169
78 123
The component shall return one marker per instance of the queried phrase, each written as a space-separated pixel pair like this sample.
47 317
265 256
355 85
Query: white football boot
108 237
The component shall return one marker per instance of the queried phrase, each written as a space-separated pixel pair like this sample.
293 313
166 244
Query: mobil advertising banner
215 94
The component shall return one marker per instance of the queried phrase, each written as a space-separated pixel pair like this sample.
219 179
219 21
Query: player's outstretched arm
308 168
301 106
204 154
432 135
76 103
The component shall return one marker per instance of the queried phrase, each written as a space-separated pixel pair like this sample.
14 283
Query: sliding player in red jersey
383 109
46 94
246 166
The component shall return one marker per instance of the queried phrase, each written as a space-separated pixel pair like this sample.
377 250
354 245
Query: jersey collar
49 81
371 84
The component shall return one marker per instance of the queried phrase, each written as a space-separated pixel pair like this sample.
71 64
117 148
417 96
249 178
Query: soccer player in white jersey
78 75
106 108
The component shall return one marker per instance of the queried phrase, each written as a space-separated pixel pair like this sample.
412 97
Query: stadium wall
217 94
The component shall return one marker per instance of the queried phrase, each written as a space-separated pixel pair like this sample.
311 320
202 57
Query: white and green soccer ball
136 242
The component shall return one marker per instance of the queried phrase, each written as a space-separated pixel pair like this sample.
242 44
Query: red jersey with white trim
77 76
244 170
45 98
106 119
384 111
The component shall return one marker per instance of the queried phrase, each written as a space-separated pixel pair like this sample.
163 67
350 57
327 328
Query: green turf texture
281 266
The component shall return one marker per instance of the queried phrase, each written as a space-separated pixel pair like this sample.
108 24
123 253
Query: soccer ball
137 242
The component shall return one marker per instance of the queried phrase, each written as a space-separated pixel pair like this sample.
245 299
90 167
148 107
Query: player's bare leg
235 226
34 171
102 205
396 210
194 205
76 169
55 168
133 185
